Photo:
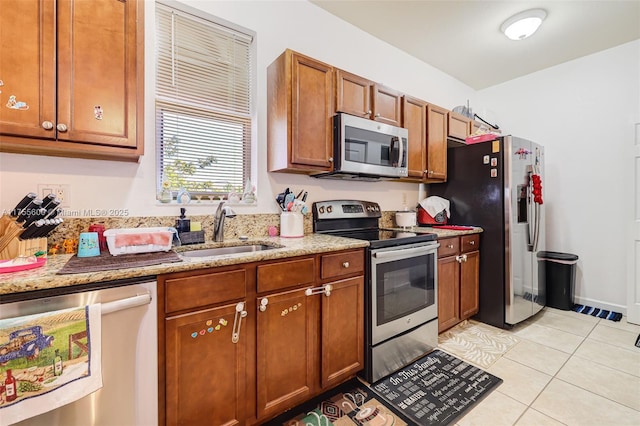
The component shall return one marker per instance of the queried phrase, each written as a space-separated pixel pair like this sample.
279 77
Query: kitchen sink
218 251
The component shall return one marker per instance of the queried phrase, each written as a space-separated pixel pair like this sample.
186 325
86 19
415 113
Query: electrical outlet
404 199
61 191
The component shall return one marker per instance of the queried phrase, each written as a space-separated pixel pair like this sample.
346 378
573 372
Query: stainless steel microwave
367 150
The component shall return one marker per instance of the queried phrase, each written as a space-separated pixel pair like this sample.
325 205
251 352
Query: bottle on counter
10 388
57 363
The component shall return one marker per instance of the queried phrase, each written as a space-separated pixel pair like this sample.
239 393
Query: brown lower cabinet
458 279
242 344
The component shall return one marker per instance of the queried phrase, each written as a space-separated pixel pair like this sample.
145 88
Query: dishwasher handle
122 304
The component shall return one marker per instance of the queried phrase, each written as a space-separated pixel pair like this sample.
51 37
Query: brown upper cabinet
299 114
358 96
304 95
72 78
437 130
414 119
458 126
427 126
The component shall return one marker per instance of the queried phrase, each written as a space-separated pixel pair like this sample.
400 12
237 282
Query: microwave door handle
393 157
400 151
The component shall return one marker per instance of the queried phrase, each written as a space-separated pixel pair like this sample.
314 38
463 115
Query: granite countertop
47 277
444 233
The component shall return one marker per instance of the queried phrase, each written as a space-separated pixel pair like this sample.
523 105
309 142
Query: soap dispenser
182 223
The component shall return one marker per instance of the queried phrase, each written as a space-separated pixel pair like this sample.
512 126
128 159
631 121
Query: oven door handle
406 252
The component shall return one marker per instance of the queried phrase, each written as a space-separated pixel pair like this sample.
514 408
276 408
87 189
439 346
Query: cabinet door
469 284
436 143
205 370
312 112
342 331
299 114
414 119
387 105
353 94
98 87
448 292
27 68
458 125
287 348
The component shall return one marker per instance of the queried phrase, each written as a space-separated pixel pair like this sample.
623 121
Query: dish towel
434 205
48 360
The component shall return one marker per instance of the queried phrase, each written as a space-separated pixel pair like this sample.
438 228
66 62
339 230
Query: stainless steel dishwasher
129 395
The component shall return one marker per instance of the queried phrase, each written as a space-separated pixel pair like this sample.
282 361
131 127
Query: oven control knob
321 209
329 209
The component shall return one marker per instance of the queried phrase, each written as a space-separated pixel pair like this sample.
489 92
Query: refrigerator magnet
495 146
494 162
485 159
494 173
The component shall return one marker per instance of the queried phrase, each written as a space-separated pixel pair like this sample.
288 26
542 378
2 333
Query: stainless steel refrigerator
500 186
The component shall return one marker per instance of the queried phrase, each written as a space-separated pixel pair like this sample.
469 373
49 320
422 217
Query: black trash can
560 278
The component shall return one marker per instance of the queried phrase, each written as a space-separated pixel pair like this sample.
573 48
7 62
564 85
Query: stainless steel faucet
218 221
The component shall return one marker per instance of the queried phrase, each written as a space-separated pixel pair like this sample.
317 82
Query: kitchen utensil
288 201
23 203
88 246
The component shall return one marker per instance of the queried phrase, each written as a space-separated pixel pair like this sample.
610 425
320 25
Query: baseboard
601 305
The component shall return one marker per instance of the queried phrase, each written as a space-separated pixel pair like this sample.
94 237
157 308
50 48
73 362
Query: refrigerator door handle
531 217
536 226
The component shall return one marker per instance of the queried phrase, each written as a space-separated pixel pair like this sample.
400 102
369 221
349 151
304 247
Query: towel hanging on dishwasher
49 360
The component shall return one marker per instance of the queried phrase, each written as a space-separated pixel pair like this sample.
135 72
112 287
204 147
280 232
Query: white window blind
203 103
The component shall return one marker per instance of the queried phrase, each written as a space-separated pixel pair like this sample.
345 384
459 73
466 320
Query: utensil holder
11 246
18 247
291 225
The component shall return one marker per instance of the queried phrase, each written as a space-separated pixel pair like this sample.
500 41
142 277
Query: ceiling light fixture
523 24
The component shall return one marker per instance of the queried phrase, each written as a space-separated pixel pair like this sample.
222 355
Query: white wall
296 24
583 112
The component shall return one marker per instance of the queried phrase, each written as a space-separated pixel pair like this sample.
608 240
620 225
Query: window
203 104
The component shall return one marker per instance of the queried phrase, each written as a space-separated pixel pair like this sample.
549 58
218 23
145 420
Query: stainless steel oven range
401 311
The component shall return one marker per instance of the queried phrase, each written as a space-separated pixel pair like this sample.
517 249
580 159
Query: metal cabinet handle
368 113
345 264
237 322
330 159
377 114
464 257
47 125
449 246
459 259
263 304
61 127
326 289
473 243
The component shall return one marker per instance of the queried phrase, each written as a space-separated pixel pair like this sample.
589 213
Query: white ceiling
463 38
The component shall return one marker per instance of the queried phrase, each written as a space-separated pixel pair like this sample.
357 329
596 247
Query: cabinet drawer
340 264
469 243
280 275
205 289
448 247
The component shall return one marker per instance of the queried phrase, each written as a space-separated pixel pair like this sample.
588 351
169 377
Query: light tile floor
566 369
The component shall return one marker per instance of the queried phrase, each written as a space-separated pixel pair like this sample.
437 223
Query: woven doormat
600 313
106 262
437 389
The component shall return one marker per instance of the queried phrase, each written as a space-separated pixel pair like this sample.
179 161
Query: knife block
18 247
11 246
